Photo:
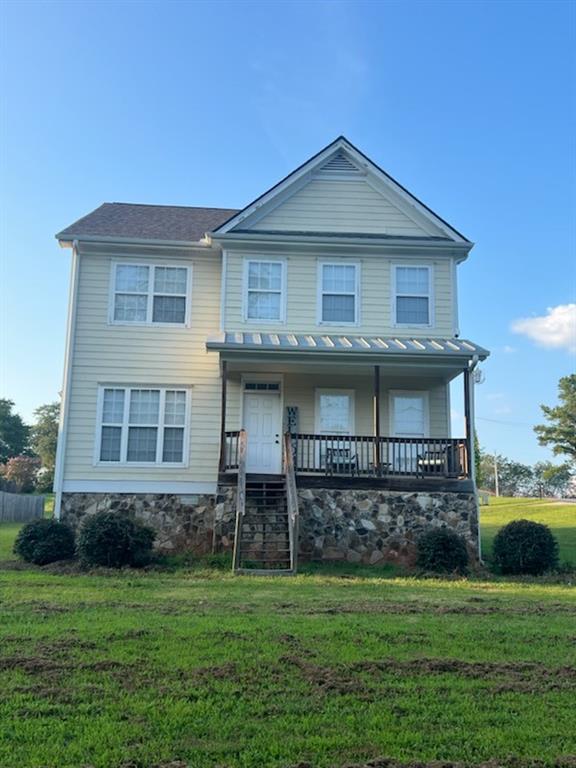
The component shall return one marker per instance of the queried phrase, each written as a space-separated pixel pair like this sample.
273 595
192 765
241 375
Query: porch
359 412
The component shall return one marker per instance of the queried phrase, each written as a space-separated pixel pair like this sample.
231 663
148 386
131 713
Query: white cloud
556 329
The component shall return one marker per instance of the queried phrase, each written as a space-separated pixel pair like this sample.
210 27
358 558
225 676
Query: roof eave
67 239
247 237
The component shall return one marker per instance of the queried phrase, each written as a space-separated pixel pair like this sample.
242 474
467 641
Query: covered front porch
357 413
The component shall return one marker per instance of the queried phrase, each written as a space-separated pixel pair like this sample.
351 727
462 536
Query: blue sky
470 105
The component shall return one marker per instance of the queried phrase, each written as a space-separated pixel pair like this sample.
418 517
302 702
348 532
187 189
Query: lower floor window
138 425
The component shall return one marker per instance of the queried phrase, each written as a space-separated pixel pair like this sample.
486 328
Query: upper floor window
338 293
412 299
150 294
142 426
264 290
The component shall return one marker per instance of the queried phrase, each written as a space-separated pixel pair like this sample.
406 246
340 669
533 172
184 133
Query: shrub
523 546
442 550
45 541
113 540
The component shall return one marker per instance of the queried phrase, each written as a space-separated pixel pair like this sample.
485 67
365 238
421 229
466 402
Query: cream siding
343 205
299 389
147 355
375 316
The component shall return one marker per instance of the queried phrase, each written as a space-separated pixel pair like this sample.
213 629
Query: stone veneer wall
365 526
182 522
359 526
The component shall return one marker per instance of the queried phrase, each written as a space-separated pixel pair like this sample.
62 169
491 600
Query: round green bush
525 547
45 541
112 539
441 550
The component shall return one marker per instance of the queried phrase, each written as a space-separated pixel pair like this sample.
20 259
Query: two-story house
275 377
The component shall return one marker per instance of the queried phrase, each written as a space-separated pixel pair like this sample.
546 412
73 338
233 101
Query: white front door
262 422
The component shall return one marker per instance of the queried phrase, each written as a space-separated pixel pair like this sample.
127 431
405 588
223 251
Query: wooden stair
266 539
264 531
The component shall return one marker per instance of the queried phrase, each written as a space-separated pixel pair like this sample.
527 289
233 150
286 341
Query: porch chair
442 462
341 461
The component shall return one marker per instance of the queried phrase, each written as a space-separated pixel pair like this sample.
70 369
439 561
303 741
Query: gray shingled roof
147 222
345 342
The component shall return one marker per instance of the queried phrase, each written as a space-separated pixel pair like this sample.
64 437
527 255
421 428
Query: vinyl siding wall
162 356
342 205
299 389
375 316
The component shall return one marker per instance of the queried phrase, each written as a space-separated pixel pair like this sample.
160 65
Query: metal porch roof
334 343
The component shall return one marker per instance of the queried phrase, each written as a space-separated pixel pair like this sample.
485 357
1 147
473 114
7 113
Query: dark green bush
523 546
45 541
442 550
113 540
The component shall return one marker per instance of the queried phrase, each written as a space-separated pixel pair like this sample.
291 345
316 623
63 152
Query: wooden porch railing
291 500
231 452
359 455
241 443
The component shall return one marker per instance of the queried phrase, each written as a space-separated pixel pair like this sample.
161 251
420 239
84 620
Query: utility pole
496 485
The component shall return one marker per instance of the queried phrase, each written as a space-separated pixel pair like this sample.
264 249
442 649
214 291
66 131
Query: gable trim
312 164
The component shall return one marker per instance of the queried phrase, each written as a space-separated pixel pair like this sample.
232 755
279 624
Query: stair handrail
291 500
240 495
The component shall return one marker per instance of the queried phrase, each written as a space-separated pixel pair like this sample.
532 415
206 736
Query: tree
514 478
560 432
20 472
14 433
478 456
44 434
552 479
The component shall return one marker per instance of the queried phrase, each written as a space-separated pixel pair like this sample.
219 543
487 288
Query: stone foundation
373 527
182 522
359 526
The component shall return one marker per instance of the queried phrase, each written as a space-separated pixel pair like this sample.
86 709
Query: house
273 380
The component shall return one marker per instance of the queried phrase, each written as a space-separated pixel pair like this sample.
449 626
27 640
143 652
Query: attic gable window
264 290
150 294
338 293
412 295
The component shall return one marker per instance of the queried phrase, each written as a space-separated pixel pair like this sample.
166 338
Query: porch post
377 419
224 374
468 420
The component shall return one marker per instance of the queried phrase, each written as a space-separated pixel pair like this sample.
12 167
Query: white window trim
424 394
125 424
283 292
320 293
148 323
429 295
334 391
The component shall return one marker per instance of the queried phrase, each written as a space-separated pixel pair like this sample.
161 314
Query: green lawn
560 517
147 669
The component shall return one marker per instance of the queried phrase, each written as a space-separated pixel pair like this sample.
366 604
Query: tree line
543 478
28 451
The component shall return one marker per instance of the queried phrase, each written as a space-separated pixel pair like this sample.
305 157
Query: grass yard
147 669
560 517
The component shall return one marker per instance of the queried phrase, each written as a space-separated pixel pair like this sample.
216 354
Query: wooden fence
19 507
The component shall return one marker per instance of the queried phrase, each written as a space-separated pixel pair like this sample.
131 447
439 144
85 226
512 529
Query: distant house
276 376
